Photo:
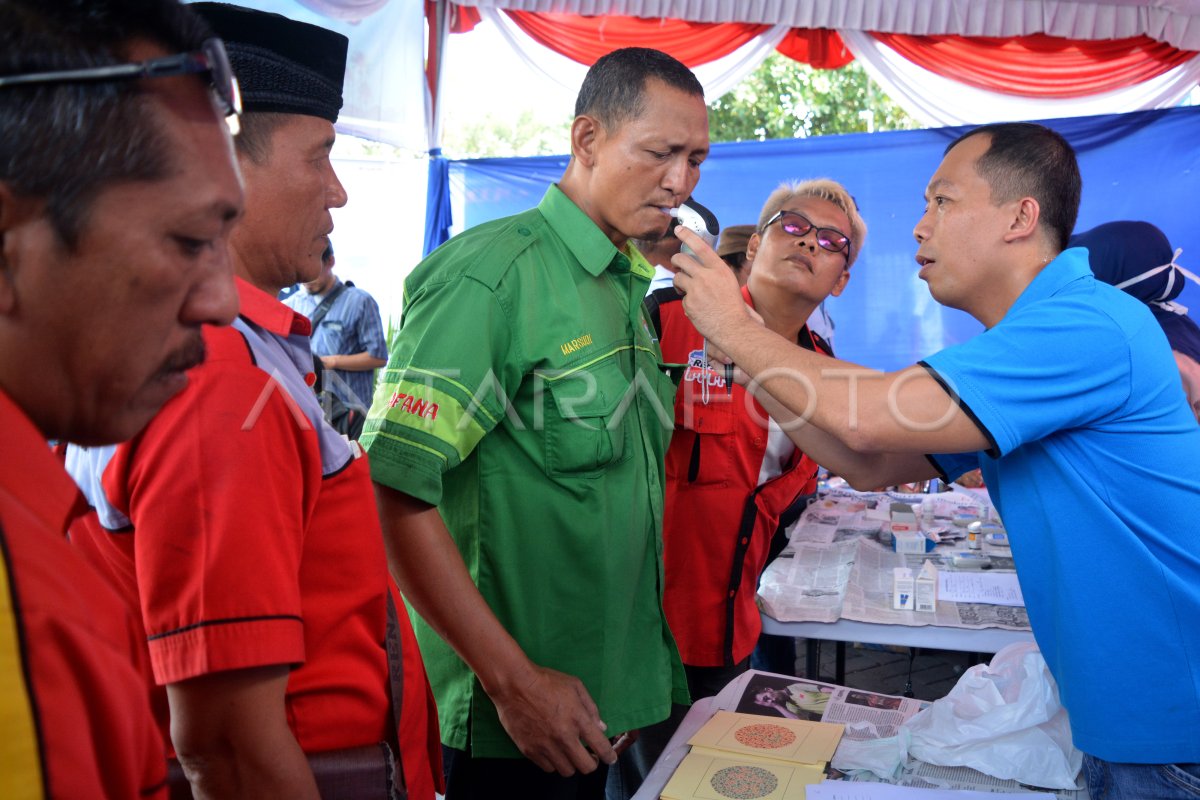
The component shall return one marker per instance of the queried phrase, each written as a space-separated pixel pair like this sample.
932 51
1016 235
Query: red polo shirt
74 721
248 549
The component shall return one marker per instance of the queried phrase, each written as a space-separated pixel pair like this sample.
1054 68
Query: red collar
30 474
268 313
746 296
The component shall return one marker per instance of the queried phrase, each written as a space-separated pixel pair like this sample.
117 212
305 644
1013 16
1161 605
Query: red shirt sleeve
226 460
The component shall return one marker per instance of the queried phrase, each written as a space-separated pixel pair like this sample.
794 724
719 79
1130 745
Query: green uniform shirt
523 397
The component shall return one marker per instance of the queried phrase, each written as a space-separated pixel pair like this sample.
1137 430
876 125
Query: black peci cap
282 65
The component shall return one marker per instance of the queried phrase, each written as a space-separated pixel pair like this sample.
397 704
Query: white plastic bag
1003 719
860 750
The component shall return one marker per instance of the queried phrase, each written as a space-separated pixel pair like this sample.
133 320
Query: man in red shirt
106 178
243 525
732 473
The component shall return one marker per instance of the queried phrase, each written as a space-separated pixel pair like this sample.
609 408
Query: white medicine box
911 542
926 588
903 589
903 518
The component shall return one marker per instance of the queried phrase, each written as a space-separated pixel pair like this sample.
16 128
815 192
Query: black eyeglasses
210 60
795 224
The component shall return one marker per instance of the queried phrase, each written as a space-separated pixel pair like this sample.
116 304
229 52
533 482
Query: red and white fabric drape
956 80
941 80
561 46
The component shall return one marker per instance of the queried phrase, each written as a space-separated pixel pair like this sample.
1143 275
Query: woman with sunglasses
734 478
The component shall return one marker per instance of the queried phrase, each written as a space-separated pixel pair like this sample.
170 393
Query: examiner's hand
718 356
554 722
712 298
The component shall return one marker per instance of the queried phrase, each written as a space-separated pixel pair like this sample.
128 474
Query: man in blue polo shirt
347 333
1071 404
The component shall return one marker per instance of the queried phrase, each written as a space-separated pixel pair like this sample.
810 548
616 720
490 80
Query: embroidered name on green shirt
414 405
575 344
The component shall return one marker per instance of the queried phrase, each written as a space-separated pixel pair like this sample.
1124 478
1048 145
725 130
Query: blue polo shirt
1095 468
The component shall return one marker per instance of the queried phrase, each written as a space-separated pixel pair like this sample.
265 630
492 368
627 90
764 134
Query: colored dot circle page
744 782
765 737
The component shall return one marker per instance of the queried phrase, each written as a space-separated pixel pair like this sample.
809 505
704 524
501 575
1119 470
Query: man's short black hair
615 86
257 132
64 143
735 261
1024 159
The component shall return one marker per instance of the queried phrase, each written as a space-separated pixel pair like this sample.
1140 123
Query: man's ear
20 218
1026 213
752 247
12 211
585 131
840 286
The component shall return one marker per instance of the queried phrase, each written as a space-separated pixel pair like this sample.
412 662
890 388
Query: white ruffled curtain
385 89
929 97
348 10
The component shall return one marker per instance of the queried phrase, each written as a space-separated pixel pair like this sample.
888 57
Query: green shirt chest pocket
586 429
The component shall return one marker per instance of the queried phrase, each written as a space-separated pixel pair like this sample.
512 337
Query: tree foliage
528 135
784 99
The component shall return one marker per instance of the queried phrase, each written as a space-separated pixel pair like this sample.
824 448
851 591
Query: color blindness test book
791 740
705 776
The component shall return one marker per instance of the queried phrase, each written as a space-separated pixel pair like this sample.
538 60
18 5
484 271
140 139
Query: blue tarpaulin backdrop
1141 165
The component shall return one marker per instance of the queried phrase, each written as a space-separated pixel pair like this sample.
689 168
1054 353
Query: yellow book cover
713 752
701 776
792 740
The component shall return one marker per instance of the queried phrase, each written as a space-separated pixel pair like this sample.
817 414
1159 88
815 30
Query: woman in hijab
1137 258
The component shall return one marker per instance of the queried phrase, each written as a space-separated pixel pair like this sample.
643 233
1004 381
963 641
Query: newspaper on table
837 567
865 715
837 790
931 776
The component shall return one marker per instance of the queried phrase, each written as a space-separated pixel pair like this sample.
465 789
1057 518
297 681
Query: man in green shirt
517 445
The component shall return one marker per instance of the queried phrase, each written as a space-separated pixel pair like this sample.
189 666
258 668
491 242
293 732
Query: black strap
355 773
654 300
694 461
395 658
325 305
741 544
